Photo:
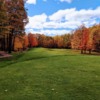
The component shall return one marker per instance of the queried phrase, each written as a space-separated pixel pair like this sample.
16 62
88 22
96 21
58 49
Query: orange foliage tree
26 42
18 43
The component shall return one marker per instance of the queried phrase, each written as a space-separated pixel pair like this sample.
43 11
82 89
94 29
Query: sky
57 17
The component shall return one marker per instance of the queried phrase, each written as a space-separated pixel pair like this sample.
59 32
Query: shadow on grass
16 59
6 62
44 57
92 54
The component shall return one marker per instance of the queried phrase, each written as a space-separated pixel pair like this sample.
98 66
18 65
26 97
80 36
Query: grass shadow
10 60
92 54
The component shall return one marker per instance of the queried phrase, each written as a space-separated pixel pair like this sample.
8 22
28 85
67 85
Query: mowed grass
50 74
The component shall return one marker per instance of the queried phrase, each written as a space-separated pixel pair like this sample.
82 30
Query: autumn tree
4 26
41 38
67 40
58 41
76 39
33 42
84 40
18 43
26 42
48 42
17 19
94 38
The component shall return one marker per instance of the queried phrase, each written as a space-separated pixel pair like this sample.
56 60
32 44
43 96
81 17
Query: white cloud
69 1
36 21
63 20
54 32
75 15
56 25
83 15
49 32
59 15
31 1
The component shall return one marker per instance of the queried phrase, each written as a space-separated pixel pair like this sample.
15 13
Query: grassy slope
50 74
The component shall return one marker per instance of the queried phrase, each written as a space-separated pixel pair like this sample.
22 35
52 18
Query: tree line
84 39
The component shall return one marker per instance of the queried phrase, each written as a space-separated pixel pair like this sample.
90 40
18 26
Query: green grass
50 74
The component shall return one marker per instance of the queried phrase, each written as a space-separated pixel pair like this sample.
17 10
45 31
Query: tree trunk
81 51
13 43
4 43
10 44
7 42
10 41
89 51
85 51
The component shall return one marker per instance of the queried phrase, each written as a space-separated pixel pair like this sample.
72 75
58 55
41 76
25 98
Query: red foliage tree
33 42
84 40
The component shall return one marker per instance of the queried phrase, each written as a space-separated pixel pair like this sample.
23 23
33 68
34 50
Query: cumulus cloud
63 20
61 14
75 15
54 32
31 1
69 1
37 21
84 15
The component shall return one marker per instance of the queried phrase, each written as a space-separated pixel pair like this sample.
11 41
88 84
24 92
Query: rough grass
50 74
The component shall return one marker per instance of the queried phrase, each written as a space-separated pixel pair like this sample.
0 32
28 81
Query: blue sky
56 17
